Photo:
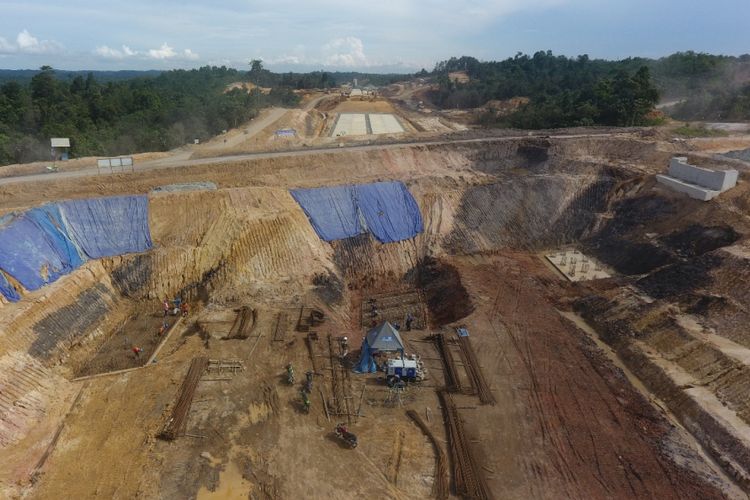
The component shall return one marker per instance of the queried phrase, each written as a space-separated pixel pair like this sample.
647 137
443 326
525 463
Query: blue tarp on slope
332 211
386 208
103 227
28 254
7 290
48 218
366 364
390 211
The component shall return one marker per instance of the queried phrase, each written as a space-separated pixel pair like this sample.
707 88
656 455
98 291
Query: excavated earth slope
675 311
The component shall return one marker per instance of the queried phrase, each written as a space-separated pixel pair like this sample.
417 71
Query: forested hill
112 113
567 91
124 117
562 91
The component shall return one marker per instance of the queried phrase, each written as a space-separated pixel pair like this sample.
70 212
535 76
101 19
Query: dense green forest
563 91
142 114
153 112
708 87
127 112
581 91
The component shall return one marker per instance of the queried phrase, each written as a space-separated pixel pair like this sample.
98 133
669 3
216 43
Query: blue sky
376 35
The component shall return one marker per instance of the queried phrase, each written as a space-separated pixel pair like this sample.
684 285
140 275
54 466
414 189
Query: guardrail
121 162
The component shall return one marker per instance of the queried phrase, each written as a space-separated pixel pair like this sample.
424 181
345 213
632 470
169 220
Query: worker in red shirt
137 351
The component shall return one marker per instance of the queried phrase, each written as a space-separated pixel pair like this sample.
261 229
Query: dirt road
238 136
180 160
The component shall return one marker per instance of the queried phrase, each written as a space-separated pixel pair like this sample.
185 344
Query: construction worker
166 307
344 346
137 351
409 320
185 309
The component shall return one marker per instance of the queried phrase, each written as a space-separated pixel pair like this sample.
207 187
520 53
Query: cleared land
351 124
384 124
628 387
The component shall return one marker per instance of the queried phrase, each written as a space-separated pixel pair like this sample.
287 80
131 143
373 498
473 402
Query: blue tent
382 338
366 363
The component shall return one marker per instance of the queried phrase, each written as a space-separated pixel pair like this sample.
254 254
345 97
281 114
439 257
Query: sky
356 35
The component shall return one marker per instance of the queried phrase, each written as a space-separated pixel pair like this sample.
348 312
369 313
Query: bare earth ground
567 423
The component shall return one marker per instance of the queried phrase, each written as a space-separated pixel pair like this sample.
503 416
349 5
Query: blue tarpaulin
387 209
366 363
28 254
332 211
7 290
103 227
390 211
48 218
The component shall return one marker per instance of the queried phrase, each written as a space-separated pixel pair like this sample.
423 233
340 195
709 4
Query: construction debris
244 323
473 369
309 318
176 424
452 380
279 330
441 488
468 479
219 366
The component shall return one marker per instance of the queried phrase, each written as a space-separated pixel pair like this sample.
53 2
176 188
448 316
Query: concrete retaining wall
692 190
717 180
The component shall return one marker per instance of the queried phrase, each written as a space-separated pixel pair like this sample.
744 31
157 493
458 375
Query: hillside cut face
580 331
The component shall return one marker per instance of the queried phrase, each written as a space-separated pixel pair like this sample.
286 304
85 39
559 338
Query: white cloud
26 43
163 52
189 55
345 52
110 53
167 52
283 59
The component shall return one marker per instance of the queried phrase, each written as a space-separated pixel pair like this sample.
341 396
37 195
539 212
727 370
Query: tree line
124 117
567 91
562 91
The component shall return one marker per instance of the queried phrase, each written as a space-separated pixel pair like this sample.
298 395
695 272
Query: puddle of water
231 486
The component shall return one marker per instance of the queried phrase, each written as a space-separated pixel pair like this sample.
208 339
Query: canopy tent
382 338
385 338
